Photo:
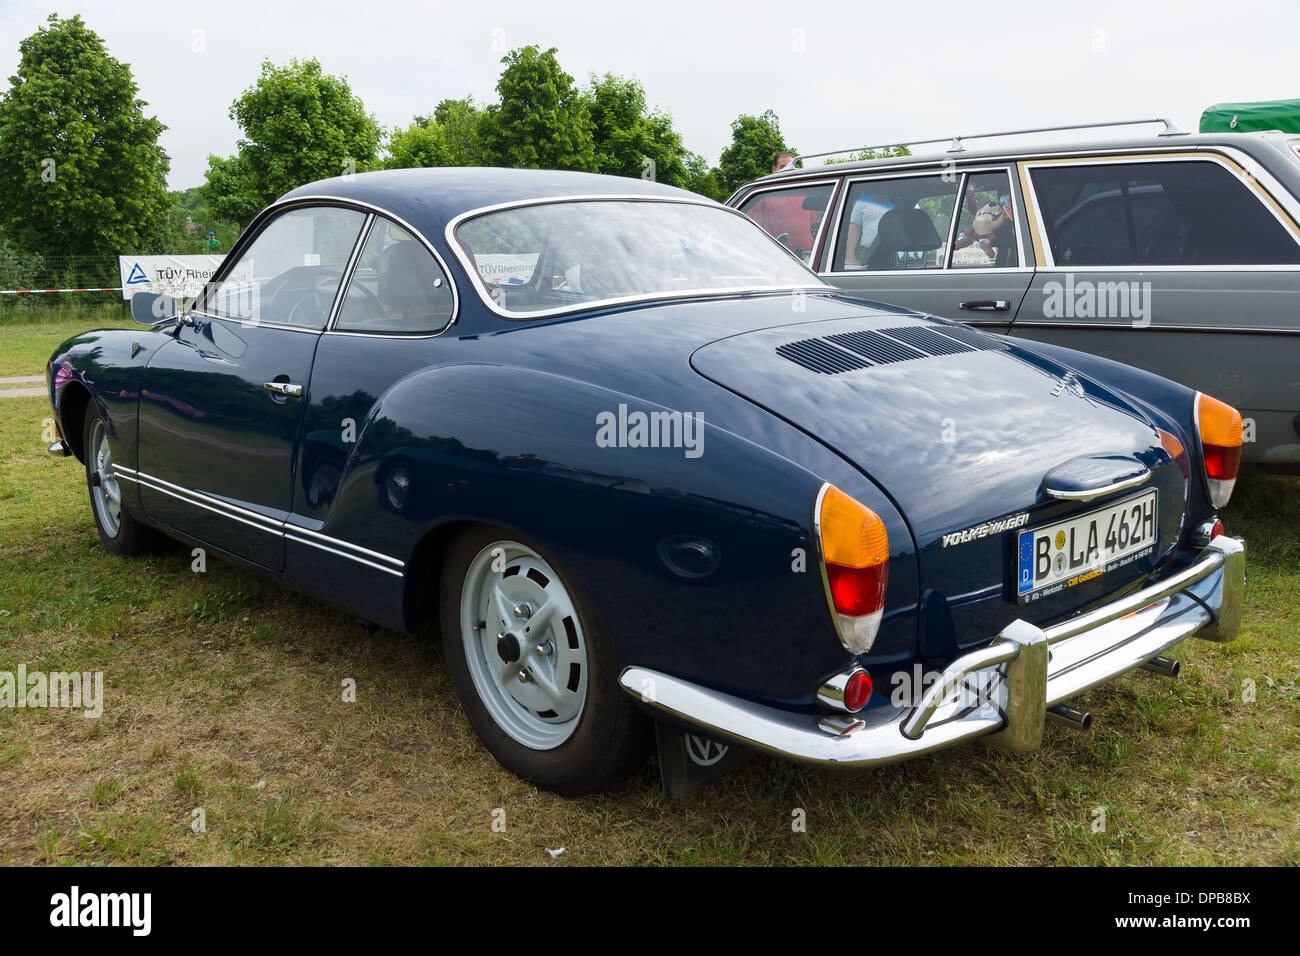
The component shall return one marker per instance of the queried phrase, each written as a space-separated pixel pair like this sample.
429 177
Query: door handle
287 389
986 305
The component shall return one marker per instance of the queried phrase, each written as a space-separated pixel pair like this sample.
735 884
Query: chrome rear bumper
1001 691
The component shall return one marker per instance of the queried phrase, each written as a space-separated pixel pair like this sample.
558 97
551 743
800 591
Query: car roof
1270 140
429 198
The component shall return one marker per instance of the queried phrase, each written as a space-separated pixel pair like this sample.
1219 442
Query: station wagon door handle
287 389
986 305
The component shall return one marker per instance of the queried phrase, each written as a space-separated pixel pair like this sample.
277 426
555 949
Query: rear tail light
855 565
1220 430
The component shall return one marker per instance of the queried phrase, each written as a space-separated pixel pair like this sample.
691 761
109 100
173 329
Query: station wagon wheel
119 531
532 666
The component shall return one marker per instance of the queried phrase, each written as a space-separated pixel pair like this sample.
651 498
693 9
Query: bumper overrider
1002 691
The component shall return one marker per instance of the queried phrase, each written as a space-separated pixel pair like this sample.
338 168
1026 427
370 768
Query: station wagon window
1183 212
291 272
792 216
986 229
553 256
397 287
896 224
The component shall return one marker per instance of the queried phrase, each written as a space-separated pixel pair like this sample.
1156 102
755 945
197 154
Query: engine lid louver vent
875 347
927 340
851 351
818 355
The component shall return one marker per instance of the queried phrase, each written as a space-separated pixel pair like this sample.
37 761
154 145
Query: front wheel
533 669
119 532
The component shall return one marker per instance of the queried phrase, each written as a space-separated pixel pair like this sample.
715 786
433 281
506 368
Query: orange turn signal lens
853 536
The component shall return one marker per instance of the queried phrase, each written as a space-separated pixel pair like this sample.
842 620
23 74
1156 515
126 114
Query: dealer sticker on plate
1059 556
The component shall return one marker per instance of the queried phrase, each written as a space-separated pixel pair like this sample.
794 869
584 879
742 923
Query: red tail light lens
1220 429
857 591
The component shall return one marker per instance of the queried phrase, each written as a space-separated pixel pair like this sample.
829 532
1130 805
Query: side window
986 231
1182 212
893 224
397 286
291 272
792 216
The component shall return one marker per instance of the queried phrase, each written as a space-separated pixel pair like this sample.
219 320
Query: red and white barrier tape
33 291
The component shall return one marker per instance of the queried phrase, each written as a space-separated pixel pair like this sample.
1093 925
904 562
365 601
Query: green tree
299 125
81 171
461 121
754 141
867 154
423 143
631 140
702 179
542 120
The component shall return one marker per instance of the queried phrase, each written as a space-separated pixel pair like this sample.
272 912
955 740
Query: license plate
1060 556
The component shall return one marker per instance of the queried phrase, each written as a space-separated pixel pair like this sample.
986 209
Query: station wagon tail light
1220 430
855 565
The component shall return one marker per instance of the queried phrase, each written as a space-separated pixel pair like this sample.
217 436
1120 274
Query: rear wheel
119 532
532 667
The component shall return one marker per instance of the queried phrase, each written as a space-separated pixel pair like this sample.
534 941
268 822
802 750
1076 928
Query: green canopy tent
1281 115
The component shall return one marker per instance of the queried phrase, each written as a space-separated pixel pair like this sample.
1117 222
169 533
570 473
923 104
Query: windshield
551 257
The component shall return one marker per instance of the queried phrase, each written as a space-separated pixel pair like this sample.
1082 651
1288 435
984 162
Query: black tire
611 737
129 536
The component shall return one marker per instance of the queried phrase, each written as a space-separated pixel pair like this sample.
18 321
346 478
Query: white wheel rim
512 594
104 490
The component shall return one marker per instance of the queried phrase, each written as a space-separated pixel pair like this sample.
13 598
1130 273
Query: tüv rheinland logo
661 429
1085 299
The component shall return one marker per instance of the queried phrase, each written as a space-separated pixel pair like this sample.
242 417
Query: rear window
1157 213
556 256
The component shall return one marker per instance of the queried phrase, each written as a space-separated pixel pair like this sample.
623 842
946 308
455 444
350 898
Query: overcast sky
836 75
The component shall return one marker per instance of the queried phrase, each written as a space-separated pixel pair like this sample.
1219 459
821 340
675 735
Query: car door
945 242
221 404
1180 264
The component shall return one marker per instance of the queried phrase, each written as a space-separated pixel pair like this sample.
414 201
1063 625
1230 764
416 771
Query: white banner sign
506 268
176 276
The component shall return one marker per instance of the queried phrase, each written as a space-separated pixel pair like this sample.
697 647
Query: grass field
223 693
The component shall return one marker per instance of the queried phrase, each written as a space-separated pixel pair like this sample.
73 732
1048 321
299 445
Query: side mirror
150 308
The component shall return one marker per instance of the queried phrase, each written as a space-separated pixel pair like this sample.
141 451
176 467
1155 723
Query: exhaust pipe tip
1164 666
1070 716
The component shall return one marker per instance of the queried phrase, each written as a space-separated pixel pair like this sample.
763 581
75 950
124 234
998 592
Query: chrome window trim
934 167
803 183
263 221
349 268
254 228
351 273
1135 158
472 274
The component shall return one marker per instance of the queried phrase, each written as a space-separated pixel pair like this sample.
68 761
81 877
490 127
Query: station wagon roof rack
957 143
